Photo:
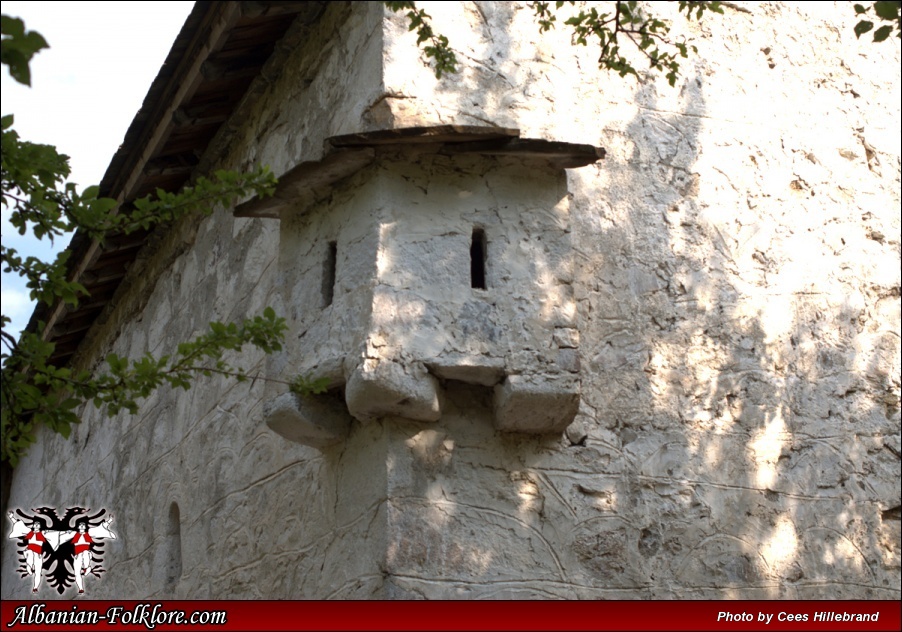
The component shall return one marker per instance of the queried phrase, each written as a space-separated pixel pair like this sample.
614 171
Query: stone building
668 368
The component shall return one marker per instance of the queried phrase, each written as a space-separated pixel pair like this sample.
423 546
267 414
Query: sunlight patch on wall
766 445
780 550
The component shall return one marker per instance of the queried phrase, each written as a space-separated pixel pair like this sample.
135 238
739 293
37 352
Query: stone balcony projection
409 257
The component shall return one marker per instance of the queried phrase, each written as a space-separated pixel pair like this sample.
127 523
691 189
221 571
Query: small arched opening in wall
173 547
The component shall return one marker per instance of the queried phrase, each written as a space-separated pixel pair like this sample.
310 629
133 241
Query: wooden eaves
347 154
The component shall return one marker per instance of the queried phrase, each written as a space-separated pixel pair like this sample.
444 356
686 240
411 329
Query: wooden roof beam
349 153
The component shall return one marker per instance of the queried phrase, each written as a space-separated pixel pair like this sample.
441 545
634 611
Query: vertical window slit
329 273
174 544
478 254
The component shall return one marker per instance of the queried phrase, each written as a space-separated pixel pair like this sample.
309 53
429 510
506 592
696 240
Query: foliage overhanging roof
221 49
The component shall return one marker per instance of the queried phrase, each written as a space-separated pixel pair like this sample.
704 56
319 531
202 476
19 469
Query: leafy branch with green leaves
609 24
649 35
36 392
43 203
19 46
625 20
437 48
39 200
887 12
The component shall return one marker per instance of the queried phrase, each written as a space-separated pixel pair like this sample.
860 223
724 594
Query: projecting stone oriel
409 257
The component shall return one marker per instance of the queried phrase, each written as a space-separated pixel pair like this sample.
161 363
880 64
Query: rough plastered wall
378 285
735 274
738 289
208 502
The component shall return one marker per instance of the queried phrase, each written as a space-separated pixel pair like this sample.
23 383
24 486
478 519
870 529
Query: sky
85 91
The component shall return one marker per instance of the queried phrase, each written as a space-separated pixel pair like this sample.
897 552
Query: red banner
446 615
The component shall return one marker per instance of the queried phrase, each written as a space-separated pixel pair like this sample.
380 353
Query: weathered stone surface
381 387
483 370
401 292
538 404
317 421
732 271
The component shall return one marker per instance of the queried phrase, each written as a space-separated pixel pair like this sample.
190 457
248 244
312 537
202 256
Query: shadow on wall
738 433
746 438
738 427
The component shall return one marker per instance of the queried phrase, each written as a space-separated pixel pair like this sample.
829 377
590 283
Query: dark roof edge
81 242
194 93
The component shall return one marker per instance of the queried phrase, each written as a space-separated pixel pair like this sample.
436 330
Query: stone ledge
530 404
536 404
481 370
318 421
377 388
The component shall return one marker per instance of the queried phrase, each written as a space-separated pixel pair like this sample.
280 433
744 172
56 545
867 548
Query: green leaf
863 27
70 403
306 385
18 47
882 33
886 10
443 58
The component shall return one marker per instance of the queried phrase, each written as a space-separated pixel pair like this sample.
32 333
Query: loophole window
478 255
329 274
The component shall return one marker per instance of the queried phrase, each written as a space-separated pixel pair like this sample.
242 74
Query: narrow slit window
478 254
174 546
329 274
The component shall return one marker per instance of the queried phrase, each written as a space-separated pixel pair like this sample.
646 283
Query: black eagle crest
59 563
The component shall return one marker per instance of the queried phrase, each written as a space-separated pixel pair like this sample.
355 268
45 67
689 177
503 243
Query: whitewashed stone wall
737 280
380 287
736 289
257 516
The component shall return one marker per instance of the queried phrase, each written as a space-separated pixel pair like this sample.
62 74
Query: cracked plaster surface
736 291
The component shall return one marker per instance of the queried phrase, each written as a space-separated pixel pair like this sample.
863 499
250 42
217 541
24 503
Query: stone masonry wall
737 280
734 271
209 503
